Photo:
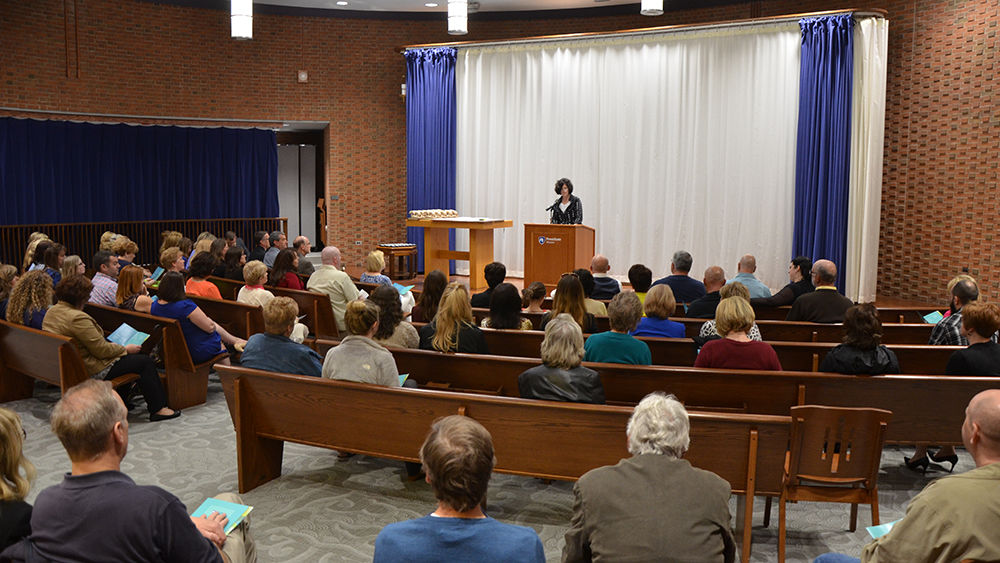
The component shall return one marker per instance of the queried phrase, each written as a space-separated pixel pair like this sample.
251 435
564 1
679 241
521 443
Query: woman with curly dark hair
392 329
861 352
30 299
285 270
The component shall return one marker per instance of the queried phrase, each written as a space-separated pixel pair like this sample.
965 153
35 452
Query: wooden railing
85 238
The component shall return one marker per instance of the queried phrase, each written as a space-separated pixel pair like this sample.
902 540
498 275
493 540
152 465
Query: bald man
957 517
704 307
825 305
744 274
331 280
605 286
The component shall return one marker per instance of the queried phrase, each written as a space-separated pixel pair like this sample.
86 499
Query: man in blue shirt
746 269
458 459
273 350
686 289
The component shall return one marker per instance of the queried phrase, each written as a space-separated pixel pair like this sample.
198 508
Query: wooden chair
834 457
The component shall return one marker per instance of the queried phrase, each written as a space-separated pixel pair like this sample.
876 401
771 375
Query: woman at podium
567 210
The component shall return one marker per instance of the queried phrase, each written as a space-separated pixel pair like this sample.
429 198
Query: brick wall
940 178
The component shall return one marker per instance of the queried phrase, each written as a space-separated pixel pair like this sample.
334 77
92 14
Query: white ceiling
419 5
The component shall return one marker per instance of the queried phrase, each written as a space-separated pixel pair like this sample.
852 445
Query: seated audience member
218 250
132 294
532 298
659 305
261 243
274 349
31 299
99 511
617 346
235 259
197 284
169 239
55 254
592 306
800 283
302 246
641 279
708 332
561 377
34 239
172 261
861 352
186 246
8 279
38 258
16 475
954 281
605 286
954 518
204 336
744 274
653 506
494 272
979 322
125 249
733 319
253 293
392 329
278 242
569 299
825 304
704 307
233 240
330 280
108 239
358 357
458 459
948 331
374 264
505 310
686 289
104 359
285 271
201 247
430 297
453 328
72 266
105 279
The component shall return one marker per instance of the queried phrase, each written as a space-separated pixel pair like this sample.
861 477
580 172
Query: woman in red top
285 270
733 319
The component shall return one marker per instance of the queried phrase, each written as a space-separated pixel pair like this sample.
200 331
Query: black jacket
855 361
577 385
573 214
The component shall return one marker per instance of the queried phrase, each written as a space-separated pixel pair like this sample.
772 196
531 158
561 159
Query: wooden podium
552 250
437 250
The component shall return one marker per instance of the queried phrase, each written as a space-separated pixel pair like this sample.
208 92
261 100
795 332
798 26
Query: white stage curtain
680 140
871 39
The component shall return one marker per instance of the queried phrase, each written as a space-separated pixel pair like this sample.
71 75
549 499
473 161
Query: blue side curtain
65 172
430 135
822 161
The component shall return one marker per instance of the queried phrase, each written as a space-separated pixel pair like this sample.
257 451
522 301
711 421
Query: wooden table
437 250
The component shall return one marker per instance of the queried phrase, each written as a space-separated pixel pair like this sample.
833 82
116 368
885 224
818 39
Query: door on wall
297 189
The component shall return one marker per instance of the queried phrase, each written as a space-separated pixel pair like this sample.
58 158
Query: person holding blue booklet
100 513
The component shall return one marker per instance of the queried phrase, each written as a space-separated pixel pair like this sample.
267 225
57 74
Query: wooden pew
316 308
899 314
185 382
227 287
603 324
926 408
794 331
27 354
533 438
239 319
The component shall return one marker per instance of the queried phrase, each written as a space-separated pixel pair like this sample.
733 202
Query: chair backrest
836 444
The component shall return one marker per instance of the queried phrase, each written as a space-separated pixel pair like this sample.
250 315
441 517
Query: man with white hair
653 506
302 247
329 279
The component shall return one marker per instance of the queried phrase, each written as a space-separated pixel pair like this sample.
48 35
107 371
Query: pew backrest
316 308
27 354
239 319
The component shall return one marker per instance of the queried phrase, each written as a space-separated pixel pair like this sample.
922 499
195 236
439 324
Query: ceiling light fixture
241 19
458 17
341 3
651 8
431 4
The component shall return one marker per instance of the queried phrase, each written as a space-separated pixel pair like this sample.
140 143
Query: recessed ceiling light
341 3
431 4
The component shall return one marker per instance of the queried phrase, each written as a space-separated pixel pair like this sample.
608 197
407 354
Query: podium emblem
541 240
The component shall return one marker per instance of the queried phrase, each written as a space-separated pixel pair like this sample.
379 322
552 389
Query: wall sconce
241 19
651 8
458 17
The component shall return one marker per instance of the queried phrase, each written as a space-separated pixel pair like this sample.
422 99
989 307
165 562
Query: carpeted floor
323 509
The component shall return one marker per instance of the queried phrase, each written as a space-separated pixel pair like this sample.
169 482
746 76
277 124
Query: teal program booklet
878 531
126 335
403 289
234 512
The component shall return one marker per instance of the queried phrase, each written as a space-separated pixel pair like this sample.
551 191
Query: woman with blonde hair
374 264
659 305
108 239
733 319
30 300
170 239
132 294
8 279
16 475
172 260
29 252
561 377
570 299
453 328
72 266
125 249
253 293
358 357
731 289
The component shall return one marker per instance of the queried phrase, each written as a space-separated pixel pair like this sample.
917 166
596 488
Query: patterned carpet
324 510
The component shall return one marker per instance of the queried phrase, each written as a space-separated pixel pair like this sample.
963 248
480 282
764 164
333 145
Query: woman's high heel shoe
917 464
952 459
